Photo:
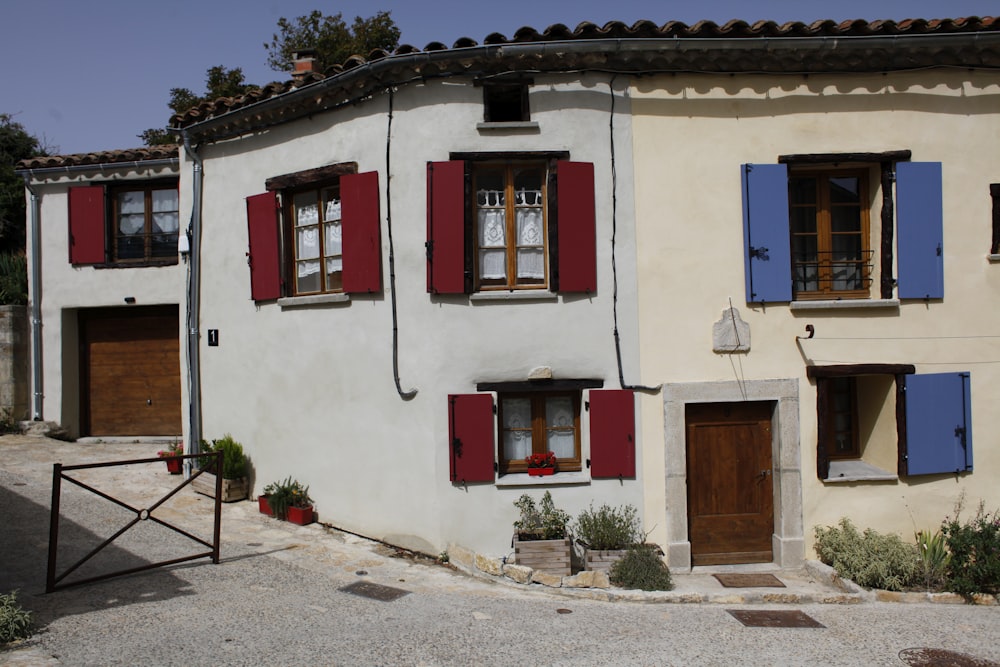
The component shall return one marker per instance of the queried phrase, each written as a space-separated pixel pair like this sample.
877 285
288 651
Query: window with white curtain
511 220
146 223
537 423
319 259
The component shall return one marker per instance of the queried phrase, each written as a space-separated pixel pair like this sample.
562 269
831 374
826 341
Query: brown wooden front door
130 371
729 481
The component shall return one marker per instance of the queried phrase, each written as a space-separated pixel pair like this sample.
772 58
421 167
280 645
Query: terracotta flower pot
174 465
264 506
540 472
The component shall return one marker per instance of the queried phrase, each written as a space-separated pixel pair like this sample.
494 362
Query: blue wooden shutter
920 230
470 438
262 256
362 241
86 225
446 270
576 223
938 423
612 433
767 259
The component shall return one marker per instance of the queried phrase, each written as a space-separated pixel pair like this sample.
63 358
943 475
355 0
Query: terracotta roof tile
164 152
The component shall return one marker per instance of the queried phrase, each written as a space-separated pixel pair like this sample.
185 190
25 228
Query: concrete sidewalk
319 547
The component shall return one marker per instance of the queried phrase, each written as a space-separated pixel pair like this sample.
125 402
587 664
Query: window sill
524 479
857 471
844 303
510 125
993 259
313 300
514 295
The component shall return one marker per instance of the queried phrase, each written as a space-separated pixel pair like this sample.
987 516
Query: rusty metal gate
211 463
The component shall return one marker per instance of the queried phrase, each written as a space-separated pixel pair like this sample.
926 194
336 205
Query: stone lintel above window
839 158
540 385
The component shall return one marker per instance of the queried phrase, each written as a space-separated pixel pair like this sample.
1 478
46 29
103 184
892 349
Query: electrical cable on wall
405 395
614 234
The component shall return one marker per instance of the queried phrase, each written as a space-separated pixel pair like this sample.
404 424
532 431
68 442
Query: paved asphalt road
277 598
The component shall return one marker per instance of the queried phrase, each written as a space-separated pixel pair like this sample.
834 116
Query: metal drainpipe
36 304
194 310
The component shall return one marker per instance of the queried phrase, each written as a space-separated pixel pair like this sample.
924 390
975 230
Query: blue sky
90 76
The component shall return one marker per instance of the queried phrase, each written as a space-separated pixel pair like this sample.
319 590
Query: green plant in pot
289 500
606 533
234 469
541 536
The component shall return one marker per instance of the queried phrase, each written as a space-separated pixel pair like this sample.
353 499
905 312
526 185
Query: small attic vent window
506 102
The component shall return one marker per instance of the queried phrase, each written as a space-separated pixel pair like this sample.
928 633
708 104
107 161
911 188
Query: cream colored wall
67 288
310 391
691 134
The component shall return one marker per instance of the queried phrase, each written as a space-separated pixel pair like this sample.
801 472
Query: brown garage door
130 371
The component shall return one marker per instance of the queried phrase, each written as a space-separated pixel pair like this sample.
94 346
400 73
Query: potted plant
288 500
234 470
541 464
541 539
606 534
174 465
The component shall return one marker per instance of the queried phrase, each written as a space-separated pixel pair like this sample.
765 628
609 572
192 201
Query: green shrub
13 279
234 461
609 527
934 559
975 552
869 559
542 522
641 568
15 623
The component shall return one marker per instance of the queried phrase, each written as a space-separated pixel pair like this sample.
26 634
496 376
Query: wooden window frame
510 168
538 429
825 234
289 212
147 259
850 387
506 102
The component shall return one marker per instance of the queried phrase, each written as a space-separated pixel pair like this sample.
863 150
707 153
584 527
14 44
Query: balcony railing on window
832 272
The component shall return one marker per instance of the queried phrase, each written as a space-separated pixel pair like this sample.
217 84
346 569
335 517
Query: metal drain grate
375 591
937 657
774 619
752 580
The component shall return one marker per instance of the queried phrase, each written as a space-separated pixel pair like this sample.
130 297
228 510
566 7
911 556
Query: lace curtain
560 427
529 226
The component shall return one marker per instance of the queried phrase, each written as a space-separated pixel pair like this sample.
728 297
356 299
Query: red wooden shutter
86 225
361 235
576 226
446 227
612 433
262 228
470 437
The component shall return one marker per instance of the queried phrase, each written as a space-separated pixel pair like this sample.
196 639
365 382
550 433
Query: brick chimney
305 62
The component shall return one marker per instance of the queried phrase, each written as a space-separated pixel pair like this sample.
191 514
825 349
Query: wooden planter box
232 489
598 560
549 556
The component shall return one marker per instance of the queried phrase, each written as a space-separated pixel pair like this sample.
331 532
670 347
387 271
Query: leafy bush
934 559
975 552
289 493
609 527
15 623
641 568
869 559
234 461
13 279
542 522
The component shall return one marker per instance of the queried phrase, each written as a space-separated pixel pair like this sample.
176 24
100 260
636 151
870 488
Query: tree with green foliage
219 82
332 40
15 145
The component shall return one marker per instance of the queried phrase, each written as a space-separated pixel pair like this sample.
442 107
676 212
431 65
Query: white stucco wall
67 288
691 134
310 391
